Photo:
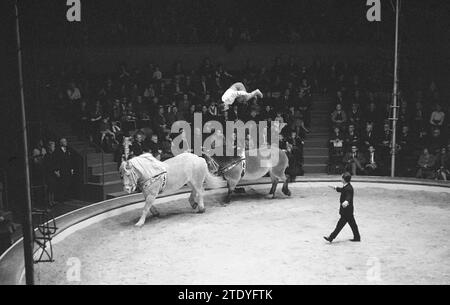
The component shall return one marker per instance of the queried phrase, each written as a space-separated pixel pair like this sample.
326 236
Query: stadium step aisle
315 150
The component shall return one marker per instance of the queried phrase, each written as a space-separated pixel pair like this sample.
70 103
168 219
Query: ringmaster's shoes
328 239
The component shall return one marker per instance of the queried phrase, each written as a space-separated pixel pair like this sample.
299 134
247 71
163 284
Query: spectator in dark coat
418 118
203 86
137 148
354 116
173 115
372 115
267 113
374 164
354 161
51 178
436 142
64 170
184 105
351 139
385 140
154 146
338 117
426 165
297 145
368 137
443 164
234 114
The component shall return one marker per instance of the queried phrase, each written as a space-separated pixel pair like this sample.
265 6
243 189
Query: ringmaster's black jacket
346 195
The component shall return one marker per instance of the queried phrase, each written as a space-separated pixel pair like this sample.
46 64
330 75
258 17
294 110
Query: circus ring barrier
426 252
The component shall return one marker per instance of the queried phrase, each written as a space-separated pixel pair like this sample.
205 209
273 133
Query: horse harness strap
162 175
225 169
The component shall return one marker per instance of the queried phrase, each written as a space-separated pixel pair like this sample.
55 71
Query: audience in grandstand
362 118
144 103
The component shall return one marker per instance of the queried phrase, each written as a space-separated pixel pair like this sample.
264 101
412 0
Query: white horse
155 177
255 164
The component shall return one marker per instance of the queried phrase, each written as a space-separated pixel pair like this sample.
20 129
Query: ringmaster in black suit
345 210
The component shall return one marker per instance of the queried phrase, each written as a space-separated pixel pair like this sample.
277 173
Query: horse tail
213 181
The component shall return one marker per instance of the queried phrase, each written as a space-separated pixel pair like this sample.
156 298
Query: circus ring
404 225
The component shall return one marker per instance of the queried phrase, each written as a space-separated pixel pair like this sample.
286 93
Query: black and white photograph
209 144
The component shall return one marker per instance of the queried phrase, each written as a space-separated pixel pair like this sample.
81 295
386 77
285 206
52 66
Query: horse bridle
129 171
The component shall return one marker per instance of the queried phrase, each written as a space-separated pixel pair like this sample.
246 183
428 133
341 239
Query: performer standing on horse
251 163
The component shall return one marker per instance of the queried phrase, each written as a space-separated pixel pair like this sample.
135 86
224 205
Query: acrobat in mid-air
237 92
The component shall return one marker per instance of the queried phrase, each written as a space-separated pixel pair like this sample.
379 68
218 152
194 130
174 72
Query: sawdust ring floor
255 240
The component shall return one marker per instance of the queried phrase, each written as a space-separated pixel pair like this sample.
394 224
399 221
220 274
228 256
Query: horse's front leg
149 207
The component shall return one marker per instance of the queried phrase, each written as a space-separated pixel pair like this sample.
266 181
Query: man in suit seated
374 163
354 161
368 137
338 117
351 139
426 165
138 146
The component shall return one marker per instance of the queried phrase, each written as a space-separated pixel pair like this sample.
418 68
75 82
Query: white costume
238 91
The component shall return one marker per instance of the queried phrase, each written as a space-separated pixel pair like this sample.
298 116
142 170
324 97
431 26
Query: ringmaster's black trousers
350 219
